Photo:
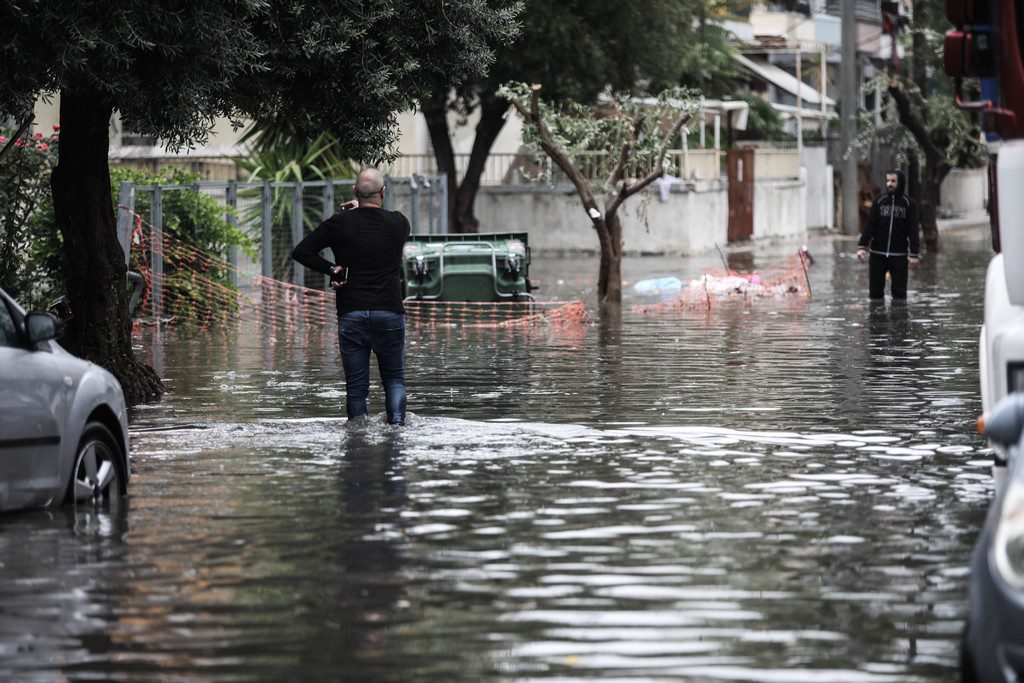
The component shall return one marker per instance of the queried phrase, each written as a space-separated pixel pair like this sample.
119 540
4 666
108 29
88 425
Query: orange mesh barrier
197 289
496 314
787 279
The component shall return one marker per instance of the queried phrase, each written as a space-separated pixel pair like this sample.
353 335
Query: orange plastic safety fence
197 287
496 314
787 279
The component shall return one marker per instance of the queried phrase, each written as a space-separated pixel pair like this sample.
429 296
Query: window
131 139
124 137
8 333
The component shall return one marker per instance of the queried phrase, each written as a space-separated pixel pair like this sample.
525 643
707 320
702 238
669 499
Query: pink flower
42 146
56 129
53 137
3 139
38 136
17 143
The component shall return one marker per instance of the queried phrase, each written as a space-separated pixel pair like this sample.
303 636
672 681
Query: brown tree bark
435 111
910 106
462 191
492 120
928 207
100 329
610 273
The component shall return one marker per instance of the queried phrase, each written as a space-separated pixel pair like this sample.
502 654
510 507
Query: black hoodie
892 227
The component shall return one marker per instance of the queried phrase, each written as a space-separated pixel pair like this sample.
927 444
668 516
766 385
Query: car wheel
98 476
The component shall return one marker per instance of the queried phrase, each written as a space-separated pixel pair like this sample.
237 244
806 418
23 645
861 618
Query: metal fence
275 216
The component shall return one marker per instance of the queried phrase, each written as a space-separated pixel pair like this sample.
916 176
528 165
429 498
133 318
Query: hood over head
901 181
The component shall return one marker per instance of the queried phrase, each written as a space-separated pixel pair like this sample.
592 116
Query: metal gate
741 193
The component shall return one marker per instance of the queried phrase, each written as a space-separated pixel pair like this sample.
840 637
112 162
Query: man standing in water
367 241
891 235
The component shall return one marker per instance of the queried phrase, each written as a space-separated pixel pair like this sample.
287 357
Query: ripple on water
724 496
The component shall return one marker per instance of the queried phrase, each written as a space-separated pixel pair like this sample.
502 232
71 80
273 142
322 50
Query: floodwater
773 491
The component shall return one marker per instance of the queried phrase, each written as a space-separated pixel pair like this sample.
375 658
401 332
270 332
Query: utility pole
822 85
848 93
800 105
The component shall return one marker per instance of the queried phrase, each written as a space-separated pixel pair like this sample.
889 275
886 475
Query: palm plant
276 152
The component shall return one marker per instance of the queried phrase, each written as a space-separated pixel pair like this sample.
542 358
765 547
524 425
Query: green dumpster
467 267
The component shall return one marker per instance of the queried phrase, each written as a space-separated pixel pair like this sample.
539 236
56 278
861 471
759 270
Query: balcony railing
867 10
530 168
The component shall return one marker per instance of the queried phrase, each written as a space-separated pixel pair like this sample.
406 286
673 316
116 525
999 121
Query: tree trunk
609 278
99 329
928 205
435 111
909 106
492 120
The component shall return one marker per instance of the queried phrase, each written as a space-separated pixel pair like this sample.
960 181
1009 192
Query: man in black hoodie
891 236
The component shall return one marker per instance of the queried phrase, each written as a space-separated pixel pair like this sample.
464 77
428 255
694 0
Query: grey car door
30 439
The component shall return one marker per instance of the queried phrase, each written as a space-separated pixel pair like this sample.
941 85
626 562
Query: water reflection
59 568
361 572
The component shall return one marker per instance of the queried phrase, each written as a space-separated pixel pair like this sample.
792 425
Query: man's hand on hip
862 254
337 283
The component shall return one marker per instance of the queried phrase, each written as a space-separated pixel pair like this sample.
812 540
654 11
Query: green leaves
576 48
280 155
949 127
596 136
171 68
29 240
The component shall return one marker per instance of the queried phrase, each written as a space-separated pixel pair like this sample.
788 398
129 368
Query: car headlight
1008 545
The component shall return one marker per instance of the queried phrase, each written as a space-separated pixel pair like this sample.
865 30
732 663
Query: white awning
733 111
782 79
789 111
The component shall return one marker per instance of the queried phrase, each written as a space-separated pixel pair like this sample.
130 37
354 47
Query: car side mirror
40 327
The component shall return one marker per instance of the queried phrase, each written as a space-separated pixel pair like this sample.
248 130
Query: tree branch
910 117
658 171
532 116
619 171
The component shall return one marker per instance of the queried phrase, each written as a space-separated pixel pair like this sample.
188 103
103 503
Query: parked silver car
63 422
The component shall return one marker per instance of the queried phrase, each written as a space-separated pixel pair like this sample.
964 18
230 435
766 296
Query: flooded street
780 490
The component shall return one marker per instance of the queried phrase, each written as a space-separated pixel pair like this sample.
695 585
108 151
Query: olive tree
172 68
635 134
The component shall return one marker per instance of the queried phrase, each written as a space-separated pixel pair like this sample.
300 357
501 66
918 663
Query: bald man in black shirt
367 242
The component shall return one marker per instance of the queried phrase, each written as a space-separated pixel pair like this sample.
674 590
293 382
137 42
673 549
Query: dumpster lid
472 237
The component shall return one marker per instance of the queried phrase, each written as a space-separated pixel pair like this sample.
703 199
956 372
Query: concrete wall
820 190
780 207
964 192
694 219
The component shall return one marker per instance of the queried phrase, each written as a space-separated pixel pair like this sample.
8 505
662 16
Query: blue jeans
382 332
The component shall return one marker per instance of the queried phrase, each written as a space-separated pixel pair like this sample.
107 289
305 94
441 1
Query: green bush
30 244
31 248
198 220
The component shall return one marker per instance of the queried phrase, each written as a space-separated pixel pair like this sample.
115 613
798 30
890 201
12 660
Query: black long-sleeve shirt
368 241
